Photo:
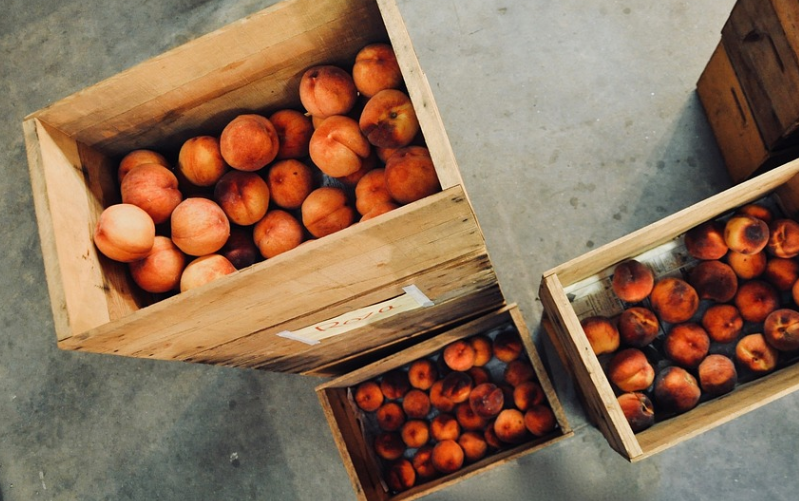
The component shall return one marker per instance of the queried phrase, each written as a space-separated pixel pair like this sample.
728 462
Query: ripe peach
491 437
638 410
401 475
395 384
686 344
200 161
630 370
518 371
676 390
468 419
415 433
276 233
755 354
756 299
368 396
474 445
781 272
482 349
205 269
139 157
240 248
795 292
714 280
390 416
369 164
722 322
376 69
781 329
337 146
124 233
154 188
249 142
638 326
717 375
326 210
388 120
507 346
422 374
459 355
447 456
416 404
487 400
199 226
160 271
389 445
747 266
527 394
445 427
540 420
602 335
632 281
746 234
289 182
674 300
371 190
509 426
456 386
294 131
244 196
410 174
706 241
439 401
423 462
327 90
757 210
783 238
479 375
378 210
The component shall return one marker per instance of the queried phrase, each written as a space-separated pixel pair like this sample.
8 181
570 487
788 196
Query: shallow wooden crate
253 65
562 324
347 426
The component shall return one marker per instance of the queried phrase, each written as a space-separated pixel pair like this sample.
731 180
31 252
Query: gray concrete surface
574 123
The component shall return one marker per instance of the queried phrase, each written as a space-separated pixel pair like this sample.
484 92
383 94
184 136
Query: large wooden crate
351 431
563 324
246 319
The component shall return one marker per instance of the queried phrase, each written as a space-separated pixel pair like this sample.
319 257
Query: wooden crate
245 319
348 426
564 327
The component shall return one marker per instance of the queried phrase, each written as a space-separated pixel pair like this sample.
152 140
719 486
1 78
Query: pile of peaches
266 184
727 319
477 396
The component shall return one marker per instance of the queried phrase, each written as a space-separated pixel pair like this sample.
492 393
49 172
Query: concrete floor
574 123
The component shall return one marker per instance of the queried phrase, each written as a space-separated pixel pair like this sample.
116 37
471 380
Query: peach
456 386
326 211
602 335
632 281
783 238
416 404
638 410
746 234
468 419
483 350
327 90
388 120
747 266
338 148
369 164
540 420
479 375
782 273
509 426
368 396
390 416
757 210
139 157
389 445
722 322
153 188
518 371
474 445
674 300
249 142
487 400
415 433
491 437
781 329
755 354
124 233
376 69
795 292
160 271
423 462
507 346
401 475
676 390
528 394
200 161
459 355
630 370
371 191
756 299
294 131
445 427
378 210
276 233
199 226
714 280
410 174
437 398
422 374
395 384
447 456
290 182
244 196
717 375
638 326
240 248
203 270
686 344
706 241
